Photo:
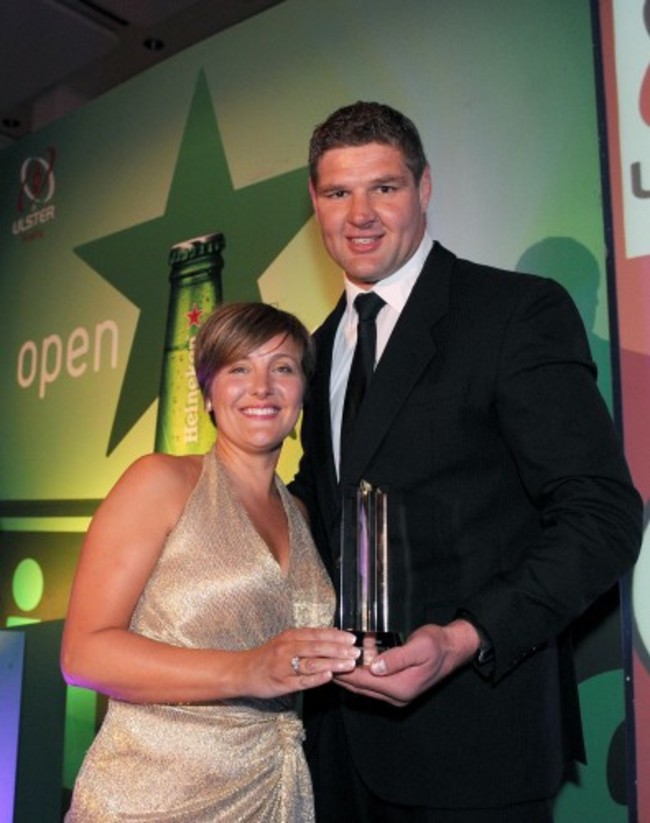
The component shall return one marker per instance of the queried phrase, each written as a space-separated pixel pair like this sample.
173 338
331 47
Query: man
510 504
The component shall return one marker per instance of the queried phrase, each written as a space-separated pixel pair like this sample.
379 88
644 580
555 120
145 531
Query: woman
197 604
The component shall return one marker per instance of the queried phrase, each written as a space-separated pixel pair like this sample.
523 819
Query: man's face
371 212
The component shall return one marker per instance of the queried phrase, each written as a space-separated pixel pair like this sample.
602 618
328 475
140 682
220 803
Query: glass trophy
365 583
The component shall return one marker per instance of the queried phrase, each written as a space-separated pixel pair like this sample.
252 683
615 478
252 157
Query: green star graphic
257 223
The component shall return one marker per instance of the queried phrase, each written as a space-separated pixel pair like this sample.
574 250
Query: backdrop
214 139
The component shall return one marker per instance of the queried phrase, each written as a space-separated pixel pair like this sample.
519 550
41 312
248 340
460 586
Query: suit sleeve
570 462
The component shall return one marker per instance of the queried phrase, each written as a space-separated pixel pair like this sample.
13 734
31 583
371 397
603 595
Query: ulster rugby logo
36 191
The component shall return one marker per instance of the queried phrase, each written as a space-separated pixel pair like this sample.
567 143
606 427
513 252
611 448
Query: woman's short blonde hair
234 330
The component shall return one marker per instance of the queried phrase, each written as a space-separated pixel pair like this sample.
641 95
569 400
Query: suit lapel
409 352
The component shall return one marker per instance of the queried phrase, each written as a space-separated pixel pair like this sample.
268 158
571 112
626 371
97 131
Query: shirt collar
395 289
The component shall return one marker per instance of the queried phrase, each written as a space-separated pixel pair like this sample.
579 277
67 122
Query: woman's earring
208 405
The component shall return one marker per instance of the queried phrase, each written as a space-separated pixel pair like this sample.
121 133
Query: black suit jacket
509 499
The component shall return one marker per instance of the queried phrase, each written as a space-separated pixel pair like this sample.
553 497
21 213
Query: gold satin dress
216 585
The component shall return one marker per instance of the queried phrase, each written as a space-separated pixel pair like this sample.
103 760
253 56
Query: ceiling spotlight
153 44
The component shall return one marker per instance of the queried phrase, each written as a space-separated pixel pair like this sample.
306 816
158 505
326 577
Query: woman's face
257 399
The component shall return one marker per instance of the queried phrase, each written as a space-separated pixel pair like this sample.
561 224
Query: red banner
625 42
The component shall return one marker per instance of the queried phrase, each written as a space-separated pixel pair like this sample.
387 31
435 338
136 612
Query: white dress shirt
394 291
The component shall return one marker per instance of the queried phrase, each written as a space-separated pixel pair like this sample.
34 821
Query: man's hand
401 674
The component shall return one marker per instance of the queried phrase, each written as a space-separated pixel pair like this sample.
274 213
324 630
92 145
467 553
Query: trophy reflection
365 595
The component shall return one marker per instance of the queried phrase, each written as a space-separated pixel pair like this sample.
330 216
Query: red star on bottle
194 316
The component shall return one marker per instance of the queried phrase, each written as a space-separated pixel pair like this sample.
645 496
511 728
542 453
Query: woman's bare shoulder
166 468
157 480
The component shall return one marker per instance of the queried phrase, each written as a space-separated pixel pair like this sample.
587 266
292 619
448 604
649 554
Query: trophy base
374 643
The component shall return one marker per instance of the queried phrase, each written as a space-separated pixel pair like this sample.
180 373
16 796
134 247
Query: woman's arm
122 546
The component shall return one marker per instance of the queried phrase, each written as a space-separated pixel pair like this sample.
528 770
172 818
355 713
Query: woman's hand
297 659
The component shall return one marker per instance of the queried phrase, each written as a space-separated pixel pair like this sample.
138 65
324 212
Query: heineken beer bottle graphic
183 426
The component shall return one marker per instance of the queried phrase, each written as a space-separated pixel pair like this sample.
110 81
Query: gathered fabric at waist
197 762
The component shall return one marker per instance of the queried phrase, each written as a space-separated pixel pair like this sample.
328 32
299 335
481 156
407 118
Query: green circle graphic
27 586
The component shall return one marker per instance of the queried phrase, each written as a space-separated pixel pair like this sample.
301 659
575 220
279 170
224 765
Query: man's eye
335 195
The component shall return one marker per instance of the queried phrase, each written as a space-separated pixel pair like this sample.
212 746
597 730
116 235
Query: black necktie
367 306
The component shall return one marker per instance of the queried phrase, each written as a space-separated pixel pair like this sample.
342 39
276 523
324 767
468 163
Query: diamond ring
295 664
